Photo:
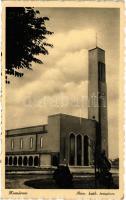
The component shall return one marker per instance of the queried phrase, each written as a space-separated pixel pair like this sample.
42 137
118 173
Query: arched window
86 159
20 160
15 160
36 161
25 161
72 149
41 142
30 162
10 161
31 143
79 150
6 160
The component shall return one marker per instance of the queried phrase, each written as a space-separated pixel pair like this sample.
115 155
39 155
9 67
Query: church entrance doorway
36 161
78 150
55 160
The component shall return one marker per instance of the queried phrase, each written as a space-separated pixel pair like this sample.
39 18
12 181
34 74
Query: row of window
22 161
76 151
30 144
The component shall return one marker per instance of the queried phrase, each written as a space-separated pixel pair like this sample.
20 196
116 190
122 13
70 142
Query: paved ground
24 178
37 170
44 182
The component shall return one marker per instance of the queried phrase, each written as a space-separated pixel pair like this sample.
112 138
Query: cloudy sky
60 84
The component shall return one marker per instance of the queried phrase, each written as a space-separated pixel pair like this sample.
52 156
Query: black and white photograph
62 97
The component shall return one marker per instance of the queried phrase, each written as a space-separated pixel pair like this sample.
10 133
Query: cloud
74 65
74 40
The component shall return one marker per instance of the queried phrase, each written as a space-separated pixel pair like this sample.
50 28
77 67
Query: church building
65 137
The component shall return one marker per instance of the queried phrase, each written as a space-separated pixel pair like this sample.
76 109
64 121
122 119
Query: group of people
64 178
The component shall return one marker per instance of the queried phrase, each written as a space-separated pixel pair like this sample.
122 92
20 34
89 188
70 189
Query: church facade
66 138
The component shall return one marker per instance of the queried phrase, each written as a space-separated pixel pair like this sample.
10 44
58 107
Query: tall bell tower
97 96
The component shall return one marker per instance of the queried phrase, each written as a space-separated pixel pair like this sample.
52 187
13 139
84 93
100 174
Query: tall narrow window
79 150
12 144
6 160
101 71
21 143
31 143
86 158
41 142
72 150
